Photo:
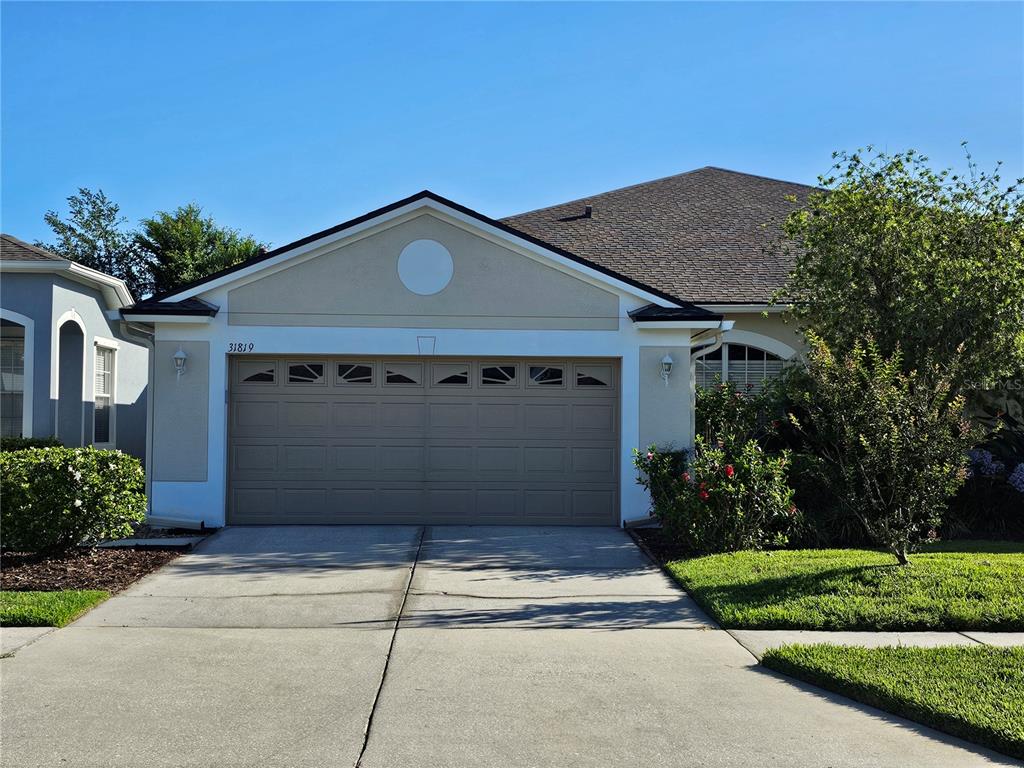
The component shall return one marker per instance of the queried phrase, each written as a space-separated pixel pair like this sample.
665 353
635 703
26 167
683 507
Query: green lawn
960 585
976 692
47 609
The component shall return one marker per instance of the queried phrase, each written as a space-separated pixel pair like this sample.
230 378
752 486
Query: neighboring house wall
31 295
51 301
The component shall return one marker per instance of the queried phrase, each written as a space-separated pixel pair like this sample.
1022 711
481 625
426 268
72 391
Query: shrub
56 498
896 442
22 443
732 415
722 501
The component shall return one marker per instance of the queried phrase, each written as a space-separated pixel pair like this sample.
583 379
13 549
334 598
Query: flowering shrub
896 442
1016 478
983 463
732 415
56 498
721 501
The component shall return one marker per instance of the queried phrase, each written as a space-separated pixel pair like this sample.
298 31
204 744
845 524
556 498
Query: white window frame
106 345
28 378
723 367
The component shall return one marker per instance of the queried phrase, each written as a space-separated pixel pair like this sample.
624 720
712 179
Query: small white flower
78 502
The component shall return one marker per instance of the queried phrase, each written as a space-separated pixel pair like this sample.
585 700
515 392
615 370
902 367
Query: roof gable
424 199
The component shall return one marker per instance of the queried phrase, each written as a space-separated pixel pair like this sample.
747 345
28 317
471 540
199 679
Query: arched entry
70 372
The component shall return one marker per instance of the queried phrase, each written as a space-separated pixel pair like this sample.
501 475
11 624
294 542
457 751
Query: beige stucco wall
181 409
771 326
664 411
357 284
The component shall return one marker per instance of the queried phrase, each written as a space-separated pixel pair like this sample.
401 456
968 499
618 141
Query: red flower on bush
703 494
729 471
686 477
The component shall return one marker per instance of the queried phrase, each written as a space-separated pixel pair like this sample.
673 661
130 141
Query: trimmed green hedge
57 498
23 443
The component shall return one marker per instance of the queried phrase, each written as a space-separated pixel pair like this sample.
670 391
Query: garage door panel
302 415
498 417
593 506
357 460
593 417
402 459
304 458
600 461
546 419
545 460
440 450
355 415
254 458
550 506
403 416
250 417
499 461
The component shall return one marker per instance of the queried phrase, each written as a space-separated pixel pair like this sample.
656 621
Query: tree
95 236
897 441
184 246
927 263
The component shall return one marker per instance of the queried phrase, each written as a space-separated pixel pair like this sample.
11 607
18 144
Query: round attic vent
425 267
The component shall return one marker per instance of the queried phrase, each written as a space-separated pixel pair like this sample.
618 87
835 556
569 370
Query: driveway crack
391 648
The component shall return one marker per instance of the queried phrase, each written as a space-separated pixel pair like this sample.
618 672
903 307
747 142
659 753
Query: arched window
739 363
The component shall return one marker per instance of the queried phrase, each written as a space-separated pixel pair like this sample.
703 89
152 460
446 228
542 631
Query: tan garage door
414 440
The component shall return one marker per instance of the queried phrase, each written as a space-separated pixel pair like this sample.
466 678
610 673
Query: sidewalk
757 641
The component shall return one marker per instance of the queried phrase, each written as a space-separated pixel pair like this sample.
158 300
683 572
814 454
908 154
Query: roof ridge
758 176
34 248
586 198
589 198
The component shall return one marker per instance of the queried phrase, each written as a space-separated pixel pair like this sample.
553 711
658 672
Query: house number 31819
241 346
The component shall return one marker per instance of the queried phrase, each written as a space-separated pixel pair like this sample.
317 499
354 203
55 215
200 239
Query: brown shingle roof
699 236
13 249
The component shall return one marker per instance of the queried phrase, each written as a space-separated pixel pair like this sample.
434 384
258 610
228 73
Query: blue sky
283 119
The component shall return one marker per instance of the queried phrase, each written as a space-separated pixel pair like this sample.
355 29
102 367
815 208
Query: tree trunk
901 555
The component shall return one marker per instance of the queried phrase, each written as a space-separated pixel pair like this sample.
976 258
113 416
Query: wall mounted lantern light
666 368
179 361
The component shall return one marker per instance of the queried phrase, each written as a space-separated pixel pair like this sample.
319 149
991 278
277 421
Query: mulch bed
660 545
107 569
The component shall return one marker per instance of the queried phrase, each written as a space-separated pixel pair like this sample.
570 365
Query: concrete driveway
444 646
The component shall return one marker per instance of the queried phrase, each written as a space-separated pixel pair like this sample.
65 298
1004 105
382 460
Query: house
426 363
68 366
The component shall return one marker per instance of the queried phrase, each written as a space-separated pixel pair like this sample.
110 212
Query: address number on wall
241 346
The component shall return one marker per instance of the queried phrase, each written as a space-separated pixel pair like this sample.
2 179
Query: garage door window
498 375
355 373
451 374
593 376
546 376
306 373
409 374
256 372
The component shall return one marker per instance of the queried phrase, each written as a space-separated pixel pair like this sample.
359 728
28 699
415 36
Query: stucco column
665 407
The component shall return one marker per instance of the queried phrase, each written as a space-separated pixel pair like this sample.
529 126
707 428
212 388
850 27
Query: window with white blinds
103 394
747 367
12 381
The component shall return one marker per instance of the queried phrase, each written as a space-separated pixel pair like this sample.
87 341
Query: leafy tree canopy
94 235
185 245
930 265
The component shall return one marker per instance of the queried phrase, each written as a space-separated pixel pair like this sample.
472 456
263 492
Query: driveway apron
460 646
